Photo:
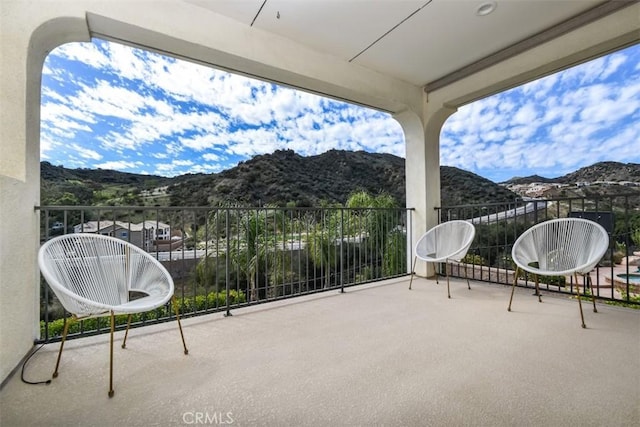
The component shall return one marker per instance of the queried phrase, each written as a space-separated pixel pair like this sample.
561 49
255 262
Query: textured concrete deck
376 355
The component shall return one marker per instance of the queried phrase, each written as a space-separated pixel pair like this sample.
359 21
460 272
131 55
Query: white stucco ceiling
418 41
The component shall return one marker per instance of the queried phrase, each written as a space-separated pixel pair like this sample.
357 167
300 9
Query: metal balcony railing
498 225
223 258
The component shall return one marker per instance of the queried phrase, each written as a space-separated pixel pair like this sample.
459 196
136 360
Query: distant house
164 238
146 235
162 231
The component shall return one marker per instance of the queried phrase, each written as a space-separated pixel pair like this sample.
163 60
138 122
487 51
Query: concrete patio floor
378 354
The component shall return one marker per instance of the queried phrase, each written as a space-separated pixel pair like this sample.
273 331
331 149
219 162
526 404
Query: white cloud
211 157
613 64
203 142
251 142
108 100
119 165
74 118
127 62
46 145
86 153
526 115
176 167
86 53
204 168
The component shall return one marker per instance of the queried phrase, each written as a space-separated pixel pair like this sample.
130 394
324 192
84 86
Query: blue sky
109 106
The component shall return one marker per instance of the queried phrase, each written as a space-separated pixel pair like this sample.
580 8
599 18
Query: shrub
473 259
186 305
635 236
617 257
549 280
634 300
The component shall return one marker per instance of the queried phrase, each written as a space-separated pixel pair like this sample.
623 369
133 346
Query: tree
635 236
380 221
491 241
210 273
256 251
369 221
395 254
322 247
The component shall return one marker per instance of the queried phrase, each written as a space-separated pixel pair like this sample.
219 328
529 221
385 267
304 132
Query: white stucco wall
27 34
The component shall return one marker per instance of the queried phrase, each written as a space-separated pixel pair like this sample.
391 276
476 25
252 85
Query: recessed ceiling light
486 8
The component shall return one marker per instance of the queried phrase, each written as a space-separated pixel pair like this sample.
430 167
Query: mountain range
285 177
602 172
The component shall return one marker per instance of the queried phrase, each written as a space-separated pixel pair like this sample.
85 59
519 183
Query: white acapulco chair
96 276
560 247
444 242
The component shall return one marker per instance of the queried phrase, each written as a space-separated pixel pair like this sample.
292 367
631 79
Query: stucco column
422 171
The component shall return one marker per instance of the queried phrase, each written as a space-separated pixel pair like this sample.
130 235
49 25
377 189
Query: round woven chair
560 247
449 241
96 276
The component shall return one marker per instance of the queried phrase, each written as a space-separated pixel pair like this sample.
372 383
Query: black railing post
227 263
341 251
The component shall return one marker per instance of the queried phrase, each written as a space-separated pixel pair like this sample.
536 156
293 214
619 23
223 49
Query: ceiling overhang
427 43
378 52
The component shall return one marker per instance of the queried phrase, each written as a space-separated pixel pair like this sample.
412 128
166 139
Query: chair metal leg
113 326
64 337
513 288
413 269
593 292
538 288
579 300
175 307
446 270
466 276
126 332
